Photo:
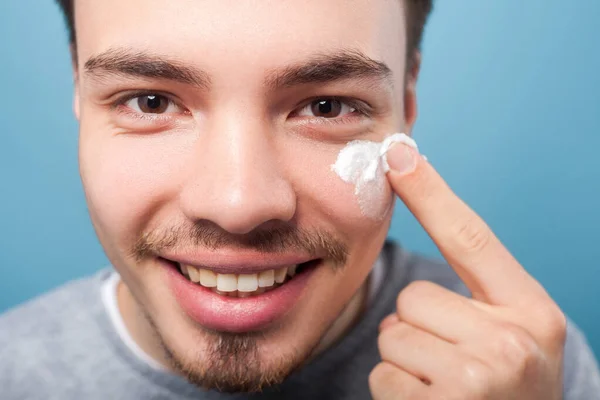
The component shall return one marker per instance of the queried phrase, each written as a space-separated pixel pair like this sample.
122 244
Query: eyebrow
128 63
320 68
324 68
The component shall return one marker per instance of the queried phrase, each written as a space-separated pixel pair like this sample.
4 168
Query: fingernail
402 158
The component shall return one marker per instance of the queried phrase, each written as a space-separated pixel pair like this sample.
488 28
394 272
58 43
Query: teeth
184 270
208 278
226 282
194 274
280 275
247 283
292 270
266 278
242 285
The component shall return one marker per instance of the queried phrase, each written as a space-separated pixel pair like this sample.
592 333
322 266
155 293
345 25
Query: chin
238 319
235 361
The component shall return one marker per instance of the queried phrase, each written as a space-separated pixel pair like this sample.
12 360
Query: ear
410 93
75 68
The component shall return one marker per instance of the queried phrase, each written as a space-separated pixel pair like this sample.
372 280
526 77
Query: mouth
247 284
240 293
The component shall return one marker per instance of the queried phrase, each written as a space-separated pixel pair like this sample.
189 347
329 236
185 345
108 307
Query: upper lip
237 262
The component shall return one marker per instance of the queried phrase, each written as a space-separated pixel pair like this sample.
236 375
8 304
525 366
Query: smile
234 292
243 285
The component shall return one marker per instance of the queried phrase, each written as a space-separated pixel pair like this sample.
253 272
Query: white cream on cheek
363 163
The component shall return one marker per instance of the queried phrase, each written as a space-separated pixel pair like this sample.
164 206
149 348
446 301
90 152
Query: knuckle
388 322
382 375
382 341
411 294
472 235
553 324
518 350
476 379
390 338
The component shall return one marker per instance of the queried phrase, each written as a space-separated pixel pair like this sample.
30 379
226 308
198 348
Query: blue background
509 113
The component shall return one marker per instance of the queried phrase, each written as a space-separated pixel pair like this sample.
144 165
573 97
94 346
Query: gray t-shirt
63 346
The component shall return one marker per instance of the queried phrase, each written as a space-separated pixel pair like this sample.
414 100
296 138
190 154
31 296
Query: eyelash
361 108
119 106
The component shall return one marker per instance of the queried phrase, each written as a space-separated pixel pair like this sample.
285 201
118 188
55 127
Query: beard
232 362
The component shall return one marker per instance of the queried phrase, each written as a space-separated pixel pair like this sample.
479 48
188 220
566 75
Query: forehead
225 34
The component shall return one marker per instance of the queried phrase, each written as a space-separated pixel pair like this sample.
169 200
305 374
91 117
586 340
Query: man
243 266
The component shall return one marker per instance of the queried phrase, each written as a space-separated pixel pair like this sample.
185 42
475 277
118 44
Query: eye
152 104
327 108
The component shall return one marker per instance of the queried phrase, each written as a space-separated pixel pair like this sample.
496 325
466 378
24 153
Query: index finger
467 243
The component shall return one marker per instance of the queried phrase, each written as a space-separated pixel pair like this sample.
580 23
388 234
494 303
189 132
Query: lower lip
233 314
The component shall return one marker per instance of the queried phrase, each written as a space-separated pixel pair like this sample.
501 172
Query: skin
245 157
240 154
506 342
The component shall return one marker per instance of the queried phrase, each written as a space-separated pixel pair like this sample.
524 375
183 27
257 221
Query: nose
235 178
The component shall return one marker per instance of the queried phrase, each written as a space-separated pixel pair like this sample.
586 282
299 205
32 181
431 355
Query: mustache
274 239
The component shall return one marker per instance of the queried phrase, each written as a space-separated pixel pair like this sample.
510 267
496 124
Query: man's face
208 131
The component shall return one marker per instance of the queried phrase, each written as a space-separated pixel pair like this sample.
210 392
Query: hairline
413 36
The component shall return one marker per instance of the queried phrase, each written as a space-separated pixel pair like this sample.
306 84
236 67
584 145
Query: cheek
126 180
322 192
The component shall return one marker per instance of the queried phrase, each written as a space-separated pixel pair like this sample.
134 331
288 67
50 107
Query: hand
504 343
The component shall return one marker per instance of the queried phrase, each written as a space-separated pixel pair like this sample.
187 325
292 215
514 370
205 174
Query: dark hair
68 9
417 12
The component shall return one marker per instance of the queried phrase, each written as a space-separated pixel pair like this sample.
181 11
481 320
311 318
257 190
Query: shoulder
54 311
43 337
581 372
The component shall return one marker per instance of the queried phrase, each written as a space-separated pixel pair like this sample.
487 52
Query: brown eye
153 104
326 108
